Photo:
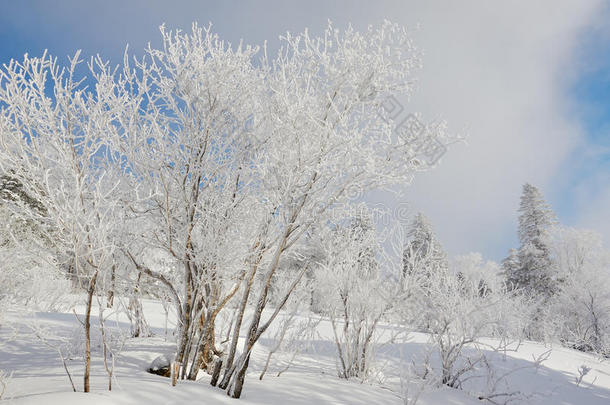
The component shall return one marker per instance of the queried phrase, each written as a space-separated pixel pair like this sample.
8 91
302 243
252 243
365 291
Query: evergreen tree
531 267
12 190
423 252
13 199
362 232
510 267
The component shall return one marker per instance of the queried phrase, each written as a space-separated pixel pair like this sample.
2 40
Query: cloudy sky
527 82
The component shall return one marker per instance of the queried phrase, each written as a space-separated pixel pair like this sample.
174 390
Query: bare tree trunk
110 301
339 347
198 355
205 353
106 351
87 325
236 381
255 332
216 372
186 320
235 338
174 373
596 339
135 305
189 336
194 370
240 378
206 346
166 318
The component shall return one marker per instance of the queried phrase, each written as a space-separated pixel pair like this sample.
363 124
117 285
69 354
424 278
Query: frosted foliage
580 313
532 268
352 294
423 250
199 167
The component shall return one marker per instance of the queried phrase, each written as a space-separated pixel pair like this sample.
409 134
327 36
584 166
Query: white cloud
502 72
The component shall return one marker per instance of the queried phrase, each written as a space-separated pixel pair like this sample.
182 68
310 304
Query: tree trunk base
216 372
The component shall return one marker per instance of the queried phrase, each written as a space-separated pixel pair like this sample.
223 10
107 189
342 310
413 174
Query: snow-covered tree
187 136
535 272
321 106
352 292
220 161
461 317
422 248
26 279
473 272
54 144
510 264
423 259
579 314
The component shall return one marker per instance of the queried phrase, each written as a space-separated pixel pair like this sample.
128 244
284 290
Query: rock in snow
160 365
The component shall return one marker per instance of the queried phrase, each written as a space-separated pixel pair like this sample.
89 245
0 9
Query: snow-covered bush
461 310
35 286
352 293
579 315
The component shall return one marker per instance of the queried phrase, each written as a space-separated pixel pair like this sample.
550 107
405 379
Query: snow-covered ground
38 376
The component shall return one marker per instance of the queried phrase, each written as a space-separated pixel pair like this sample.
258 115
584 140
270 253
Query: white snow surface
38 376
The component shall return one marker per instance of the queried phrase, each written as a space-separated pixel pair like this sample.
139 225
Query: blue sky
529 84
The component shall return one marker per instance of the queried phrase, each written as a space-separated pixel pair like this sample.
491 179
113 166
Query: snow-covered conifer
423 251
535 272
